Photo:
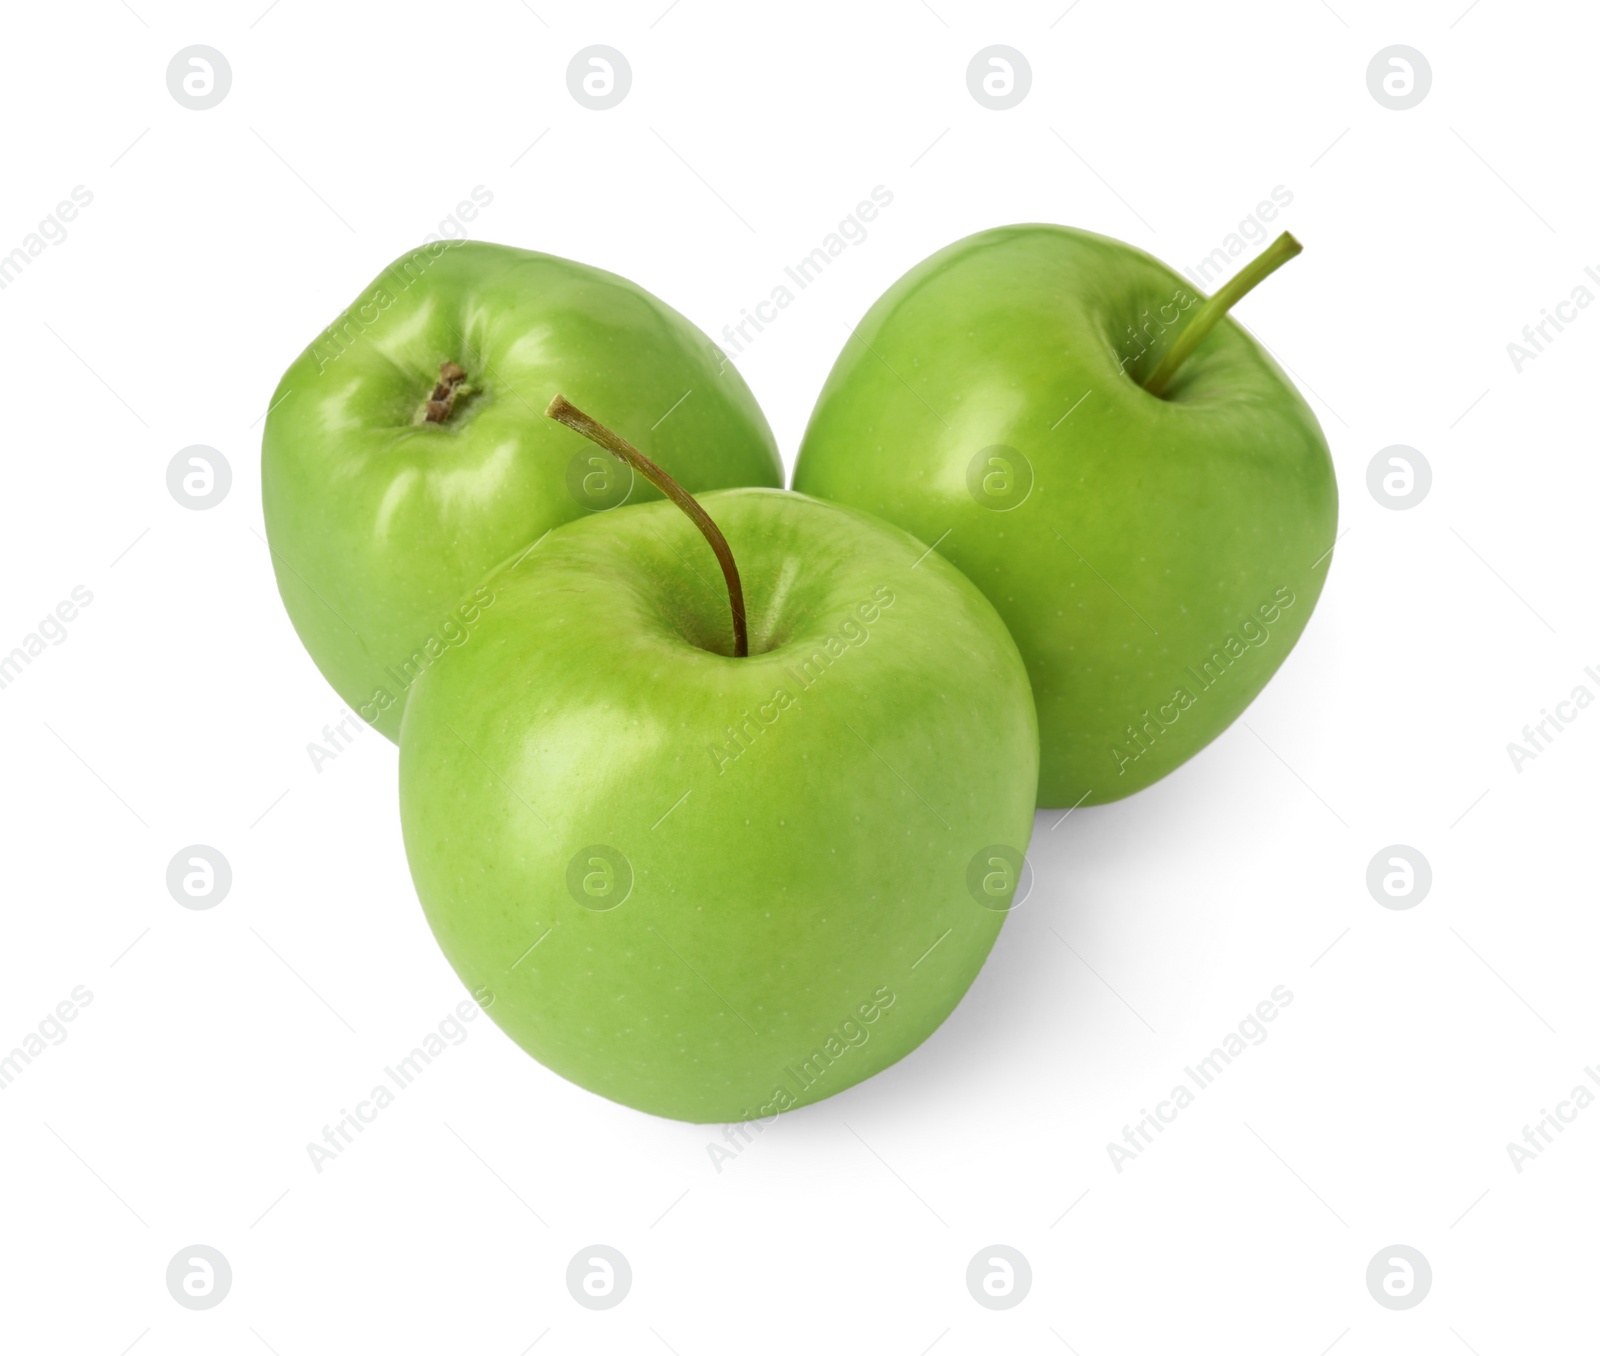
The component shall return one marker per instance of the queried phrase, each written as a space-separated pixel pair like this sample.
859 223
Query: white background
179 708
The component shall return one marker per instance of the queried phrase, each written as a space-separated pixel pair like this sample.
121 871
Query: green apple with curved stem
709 884
1123 470
405 457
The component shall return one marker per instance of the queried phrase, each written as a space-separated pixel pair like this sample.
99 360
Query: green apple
1155 539
711 886
405 455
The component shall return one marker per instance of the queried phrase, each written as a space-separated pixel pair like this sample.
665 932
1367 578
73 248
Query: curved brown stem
563 411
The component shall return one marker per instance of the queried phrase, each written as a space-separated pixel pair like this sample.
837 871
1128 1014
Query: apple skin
778 897
1169 551
379 526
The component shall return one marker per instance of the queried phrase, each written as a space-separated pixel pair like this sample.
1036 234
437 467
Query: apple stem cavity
565 412
1274 257
441 401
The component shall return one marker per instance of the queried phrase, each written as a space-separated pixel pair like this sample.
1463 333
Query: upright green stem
564 412
1277 254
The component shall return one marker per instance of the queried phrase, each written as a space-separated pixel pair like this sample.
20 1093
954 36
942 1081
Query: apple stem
565 412
441 402
1277 254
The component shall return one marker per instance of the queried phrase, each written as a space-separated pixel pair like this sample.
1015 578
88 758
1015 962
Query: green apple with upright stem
1122 469
720 832
404 455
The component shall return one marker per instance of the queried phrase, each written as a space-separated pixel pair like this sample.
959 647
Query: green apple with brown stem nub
405 457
